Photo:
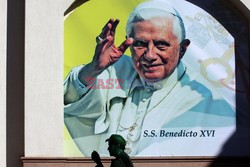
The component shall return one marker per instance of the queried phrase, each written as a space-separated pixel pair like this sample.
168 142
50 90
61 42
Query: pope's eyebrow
141 40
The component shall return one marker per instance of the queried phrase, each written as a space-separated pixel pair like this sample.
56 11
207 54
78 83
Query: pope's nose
149 55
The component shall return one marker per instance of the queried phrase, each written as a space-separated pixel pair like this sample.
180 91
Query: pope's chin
151 76
154 74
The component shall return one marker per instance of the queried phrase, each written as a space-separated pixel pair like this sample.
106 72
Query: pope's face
156 49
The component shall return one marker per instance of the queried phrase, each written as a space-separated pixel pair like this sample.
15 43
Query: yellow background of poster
80 30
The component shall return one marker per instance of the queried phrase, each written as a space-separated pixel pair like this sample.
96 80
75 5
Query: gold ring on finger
99 40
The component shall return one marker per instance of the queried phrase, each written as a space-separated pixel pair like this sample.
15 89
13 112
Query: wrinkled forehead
166 25
156 25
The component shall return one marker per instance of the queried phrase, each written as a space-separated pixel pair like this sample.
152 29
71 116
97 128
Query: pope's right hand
106 53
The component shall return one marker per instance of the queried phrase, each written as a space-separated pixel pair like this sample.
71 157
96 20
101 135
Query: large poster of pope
160 73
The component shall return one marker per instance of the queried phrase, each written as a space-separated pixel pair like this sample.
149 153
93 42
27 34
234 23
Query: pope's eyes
161 45
140 44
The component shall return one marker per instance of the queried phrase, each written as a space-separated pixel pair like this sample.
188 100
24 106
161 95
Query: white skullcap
159 5
155 8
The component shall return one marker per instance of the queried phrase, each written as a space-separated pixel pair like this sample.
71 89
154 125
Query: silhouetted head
116 144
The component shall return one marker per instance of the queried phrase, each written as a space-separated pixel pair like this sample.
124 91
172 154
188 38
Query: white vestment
181 116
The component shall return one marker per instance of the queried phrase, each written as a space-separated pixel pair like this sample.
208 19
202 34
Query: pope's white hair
156 9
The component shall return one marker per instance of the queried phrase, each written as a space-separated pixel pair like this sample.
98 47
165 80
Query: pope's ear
183 47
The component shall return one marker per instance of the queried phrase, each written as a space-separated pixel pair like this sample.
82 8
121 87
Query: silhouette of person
96 157
116 148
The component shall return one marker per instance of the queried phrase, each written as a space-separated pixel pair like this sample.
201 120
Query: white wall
3 26
44 77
